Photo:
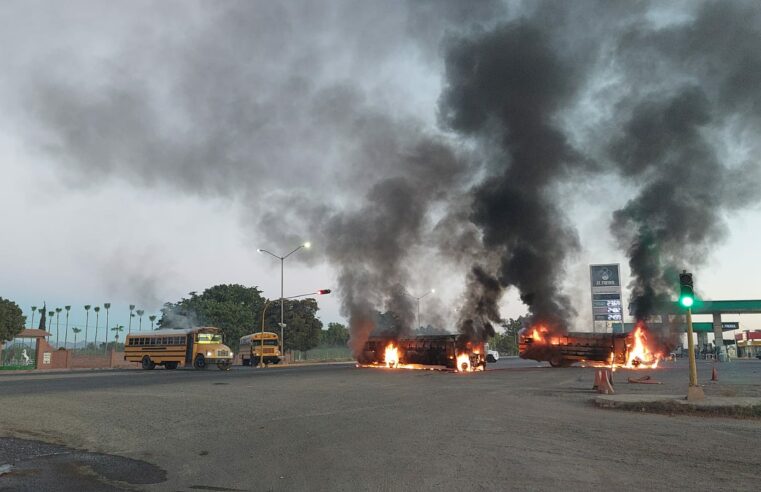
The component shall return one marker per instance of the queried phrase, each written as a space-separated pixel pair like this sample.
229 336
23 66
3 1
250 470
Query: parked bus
196 347
250 350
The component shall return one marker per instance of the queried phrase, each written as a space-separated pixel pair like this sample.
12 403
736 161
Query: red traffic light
323 291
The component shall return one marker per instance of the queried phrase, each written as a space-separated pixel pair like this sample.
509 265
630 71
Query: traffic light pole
694 392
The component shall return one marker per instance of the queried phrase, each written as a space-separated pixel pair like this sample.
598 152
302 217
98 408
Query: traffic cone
597 379
714 374
605 385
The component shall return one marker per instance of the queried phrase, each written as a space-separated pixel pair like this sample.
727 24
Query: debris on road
643 380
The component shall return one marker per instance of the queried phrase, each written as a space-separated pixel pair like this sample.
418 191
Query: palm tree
107 305
50 323
117 329
131 308
77 330
140 313
152 318
87 321
66 333
34 310
57 319
97 317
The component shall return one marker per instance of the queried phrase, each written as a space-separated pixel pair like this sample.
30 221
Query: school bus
250 350
193 347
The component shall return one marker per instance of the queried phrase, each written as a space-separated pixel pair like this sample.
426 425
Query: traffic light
323 291
686 292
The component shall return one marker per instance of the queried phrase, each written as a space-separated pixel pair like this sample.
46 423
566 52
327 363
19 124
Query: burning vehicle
633 350
436 352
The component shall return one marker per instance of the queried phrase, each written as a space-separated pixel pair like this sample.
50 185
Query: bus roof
259 334
177 331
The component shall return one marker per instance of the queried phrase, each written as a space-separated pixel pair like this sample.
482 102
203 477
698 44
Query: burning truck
436 352
634 350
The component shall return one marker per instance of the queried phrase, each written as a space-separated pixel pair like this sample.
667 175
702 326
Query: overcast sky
148 149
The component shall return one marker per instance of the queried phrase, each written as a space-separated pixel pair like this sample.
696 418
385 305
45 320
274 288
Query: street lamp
306 245
320 292
417 298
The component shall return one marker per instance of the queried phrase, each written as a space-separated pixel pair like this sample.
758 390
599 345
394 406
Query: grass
16 368
327 354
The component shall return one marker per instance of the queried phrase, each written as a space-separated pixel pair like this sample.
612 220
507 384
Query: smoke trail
504 88
668 142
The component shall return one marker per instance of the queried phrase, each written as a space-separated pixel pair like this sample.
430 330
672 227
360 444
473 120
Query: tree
303 329
233 308
12 320
116 329
97 319
506 342
140 313
76 332
152 318
237 311
87 320
337 335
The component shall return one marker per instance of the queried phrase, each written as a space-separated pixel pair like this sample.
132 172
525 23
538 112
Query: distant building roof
33 333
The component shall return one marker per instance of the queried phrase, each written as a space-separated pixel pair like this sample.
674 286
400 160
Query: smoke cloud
405 137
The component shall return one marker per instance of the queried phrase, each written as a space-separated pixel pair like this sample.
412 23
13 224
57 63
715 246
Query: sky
148 149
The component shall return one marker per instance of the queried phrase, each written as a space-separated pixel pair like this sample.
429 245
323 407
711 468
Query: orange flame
392 356
640 355
463 363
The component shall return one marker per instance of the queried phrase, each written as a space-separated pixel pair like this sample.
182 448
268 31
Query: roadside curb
712 406
302 364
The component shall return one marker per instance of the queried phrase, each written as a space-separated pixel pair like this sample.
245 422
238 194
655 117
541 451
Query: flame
537 333
463 363
392 356
640 355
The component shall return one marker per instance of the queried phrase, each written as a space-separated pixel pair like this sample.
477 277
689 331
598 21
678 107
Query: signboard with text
607 307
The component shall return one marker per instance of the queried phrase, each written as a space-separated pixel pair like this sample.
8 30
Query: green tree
12 320
234 308
303 329
506 341
76 332
337 335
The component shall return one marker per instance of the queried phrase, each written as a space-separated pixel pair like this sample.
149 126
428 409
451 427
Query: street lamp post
282 258
417 298
264 312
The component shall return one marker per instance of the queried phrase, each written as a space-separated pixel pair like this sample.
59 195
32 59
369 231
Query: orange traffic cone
714 374
597 379
606 383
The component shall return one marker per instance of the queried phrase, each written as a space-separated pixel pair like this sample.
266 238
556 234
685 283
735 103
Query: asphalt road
521 426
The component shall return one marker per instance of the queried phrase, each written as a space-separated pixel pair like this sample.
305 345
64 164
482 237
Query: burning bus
627 350
442 352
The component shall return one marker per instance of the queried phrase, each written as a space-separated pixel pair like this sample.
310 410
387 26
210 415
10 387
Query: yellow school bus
250 350
196 347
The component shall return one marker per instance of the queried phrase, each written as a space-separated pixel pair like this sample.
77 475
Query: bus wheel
170 365
276 361
148 363
223 366
199 362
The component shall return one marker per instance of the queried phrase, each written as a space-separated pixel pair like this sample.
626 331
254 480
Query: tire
276 361
490 359
170 365
147 363
223 366
199 362
556 362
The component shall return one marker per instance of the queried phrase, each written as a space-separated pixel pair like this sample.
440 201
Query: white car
492 355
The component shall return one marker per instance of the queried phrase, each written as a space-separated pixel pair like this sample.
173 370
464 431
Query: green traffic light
687 301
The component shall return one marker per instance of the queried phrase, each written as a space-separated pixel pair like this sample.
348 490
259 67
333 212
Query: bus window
209 338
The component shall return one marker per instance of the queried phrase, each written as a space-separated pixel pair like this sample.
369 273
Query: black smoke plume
668 142
504 88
